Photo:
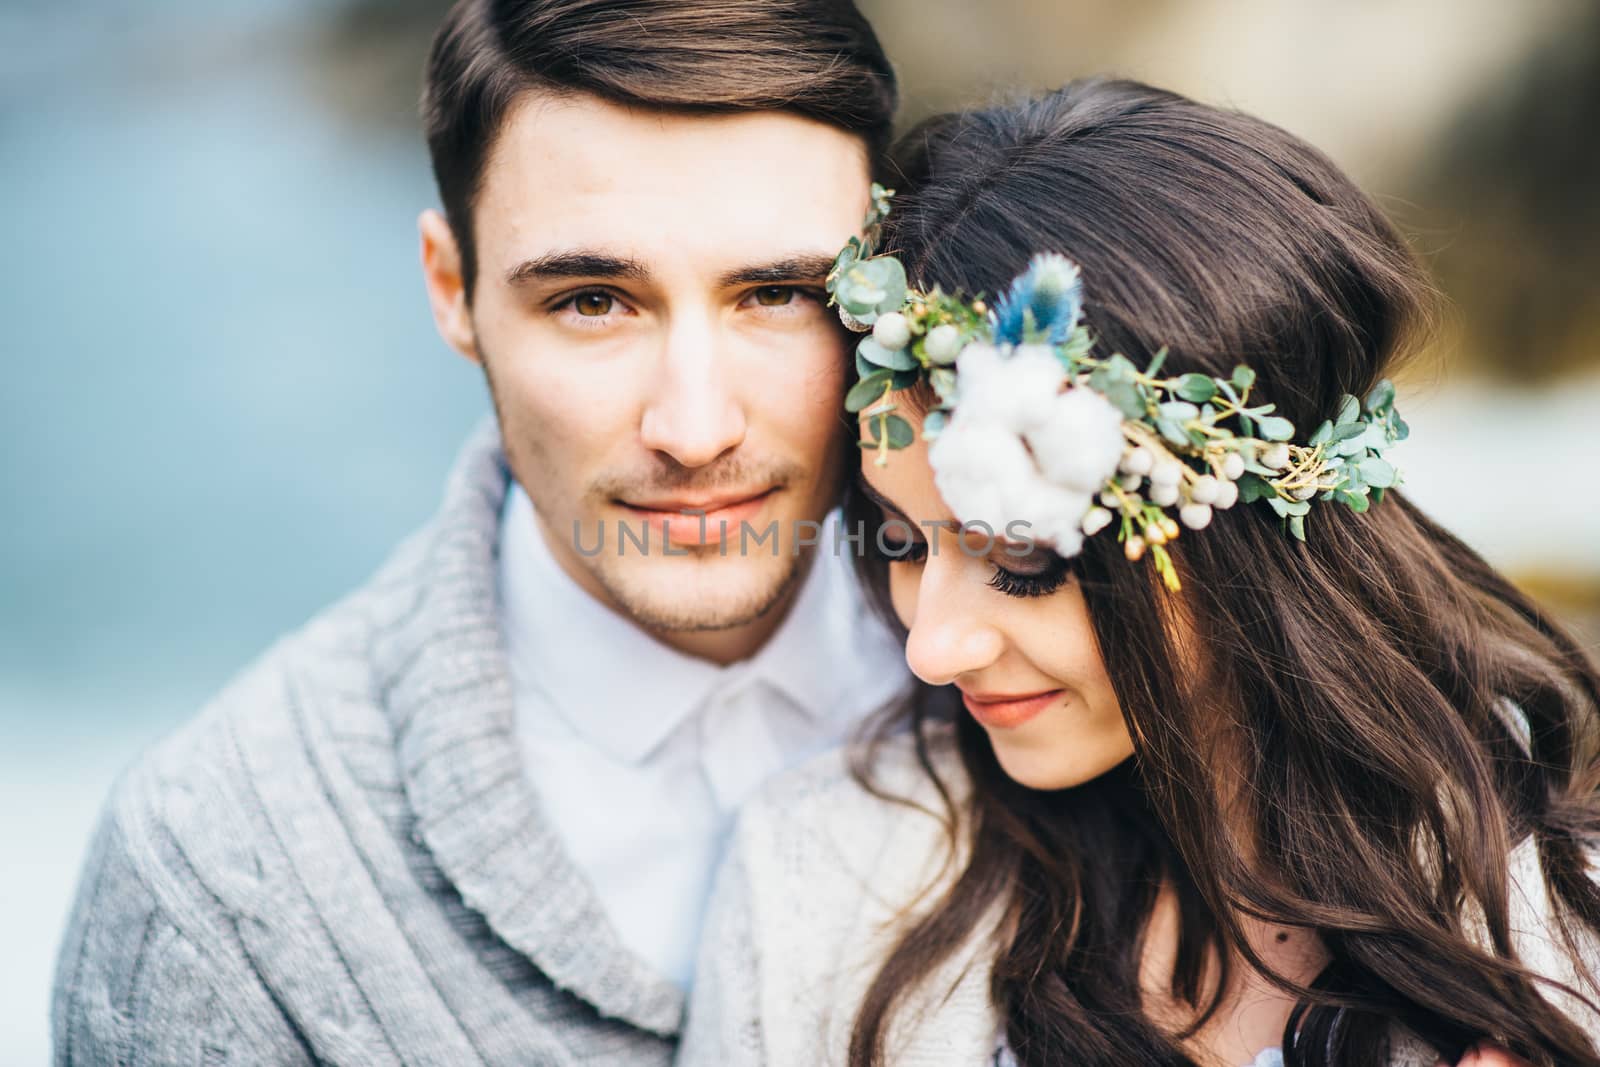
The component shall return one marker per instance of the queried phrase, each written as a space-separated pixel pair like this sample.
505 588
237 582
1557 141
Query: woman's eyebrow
878 498
888 505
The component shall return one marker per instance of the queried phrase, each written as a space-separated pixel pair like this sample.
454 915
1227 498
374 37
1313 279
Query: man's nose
694 413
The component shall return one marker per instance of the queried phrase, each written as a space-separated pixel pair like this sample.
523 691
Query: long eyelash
1031 585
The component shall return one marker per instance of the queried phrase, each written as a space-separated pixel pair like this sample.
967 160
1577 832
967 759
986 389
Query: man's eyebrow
801 267
576 263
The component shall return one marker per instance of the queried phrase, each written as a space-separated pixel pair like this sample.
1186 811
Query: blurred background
224 401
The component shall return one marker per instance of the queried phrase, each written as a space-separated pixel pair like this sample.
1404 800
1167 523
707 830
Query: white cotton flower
1053 514
1227 496
1095 519
1163 495
1167 471
892 331
1140 461
974 464
1013 388
1204 490
1233 466
1080 445
1195 516
943 343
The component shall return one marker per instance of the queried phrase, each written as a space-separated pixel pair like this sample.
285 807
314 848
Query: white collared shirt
641 754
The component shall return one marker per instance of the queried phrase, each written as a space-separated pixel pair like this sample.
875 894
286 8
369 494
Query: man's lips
699 520
1002 711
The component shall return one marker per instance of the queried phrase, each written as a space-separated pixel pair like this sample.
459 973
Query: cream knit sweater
820 878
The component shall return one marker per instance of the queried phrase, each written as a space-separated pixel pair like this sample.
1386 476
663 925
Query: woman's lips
1003 712
684 523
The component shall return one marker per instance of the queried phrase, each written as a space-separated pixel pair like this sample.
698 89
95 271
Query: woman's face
1010 630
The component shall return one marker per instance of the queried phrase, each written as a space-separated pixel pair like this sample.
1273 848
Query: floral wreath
1032 427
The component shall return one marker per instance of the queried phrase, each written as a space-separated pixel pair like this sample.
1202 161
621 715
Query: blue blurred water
223 398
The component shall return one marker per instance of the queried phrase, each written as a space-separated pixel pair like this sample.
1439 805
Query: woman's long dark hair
1355 701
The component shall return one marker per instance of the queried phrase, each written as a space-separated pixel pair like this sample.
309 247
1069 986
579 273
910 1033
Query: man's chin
699 592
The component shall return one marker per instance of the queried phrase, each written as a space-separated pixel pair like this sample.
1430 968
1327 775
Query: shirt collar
610 680
626 691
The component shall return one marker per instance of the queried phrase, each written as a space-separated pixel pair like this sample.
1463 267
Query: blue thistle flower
1042 304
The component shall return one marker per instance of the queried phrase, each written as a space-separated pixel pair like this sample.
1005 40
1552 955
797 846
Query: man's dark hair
818 58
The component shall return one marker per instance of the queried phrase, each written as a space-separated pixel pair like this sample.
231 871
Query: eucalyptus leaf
1377 472
1349 410
867 391
1196 388
1253 487
1243 378
1172 430
1179 411
1276 428
934 423
893 358
1381 397
1349 431
900 433
1297 527
1123 394
1279 505
1356 502
1323 433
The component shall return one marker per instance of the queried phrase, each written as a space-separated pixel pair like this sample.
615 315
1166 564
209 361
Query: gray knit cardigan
341 859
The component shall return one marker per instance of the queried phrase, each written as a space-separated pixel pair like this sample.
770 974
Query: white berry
1095 520
1276 456
942 344
892 331
1227 496
1167 472
1163 495
1195 516
1138 461
1204 490
1233 466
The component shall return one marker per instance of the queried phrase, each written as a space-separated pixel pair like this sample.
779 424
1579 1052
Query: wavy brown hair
1400 714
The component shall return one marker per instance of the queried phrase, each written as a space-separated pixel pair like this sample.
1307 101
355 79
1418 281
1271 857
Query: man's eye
593 305
775 296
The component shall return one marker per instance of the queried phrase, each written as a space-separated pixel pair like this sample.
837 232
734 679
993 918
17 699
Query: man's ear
441 272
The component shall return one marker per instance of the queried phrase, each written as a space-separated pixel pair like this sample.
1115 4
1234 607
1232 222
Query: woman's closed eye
1037 572
886 546
1050 575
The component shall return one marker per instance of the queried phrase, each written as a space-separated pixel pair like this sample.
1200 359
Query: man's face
649 312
